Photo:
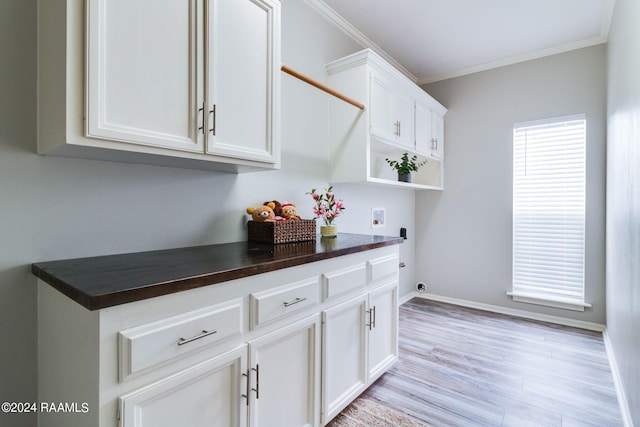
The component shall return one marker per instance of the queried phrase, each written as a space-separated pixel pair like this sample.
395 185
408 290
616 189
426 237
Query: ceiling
431 40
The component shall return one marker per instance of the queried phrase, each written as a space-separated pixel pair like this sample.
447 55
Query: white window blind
549 212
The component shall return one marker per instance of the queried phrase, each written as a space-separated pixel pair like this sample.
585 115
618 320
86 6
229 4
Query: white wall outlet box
377 217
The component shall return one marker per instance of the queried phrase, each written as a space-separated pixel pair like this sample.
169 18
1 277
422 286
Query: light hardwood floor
465 367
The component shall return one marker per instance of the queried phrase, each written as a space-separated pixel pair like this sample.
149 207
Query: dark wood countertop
106 281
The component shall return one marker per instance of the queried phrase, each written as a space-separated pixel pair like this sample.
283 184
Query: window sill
549 302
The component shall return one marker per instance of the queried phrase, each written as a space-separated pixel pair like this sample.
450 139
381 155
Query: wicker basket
307 247
282 231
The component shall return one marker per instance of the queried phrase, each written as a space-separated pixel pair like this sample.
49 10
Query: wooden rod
321 86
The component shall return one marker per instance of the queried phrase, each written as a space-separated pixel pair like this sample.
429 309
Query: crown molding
336 19
513 60
603 37
320 7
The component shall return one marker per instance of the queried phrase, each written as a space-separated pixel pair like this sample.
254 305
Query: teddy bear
263 213
277 209
289 211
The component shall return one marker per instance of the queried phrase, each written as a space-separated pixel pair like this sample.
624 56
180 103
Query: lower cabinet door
344 355
383 336
285 376
208 394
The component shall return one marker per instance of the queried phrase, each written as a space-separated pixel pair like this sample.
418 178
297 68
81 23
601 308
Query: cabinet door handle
248 379
370 324
373 322
399 127
213 128
257 389
201 111
295 301
183 341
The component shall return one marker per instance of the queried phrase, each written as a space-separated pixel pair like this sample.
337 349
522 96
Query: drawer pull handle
183 341
295 301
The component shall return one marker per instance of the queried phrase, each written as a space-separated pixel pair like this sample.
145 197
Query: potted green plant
405 166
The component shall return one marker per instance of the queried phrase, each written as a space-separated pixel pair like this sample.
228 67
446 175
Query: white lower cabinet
359 344
282 385
207 394
287 348
284 376
344 351
383 333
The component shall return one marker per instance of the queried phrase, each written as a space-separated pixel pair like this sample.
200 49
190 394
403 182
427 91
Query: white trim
406 298
607 17
336 19
617 381
551 120
515 312
549 302
601 39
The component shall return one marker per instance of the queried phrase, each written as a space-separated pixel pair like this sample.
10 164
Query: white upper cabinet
391 111
423 128
183 83
399 118
429 130
402 107
380 108
144 74
242 76
437 135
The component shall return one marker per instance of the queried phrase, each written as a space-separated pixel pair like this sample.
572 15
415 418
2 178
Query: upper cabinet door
403 112
382 123
144 73
423 128
243 60
437 135
391 111
429 131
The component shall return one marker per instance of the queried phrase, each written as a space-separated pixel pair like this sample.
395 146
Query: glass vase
328 231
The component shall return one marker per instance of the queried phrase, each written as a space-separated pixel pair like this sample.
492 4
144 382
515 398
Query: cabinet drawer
382 267
147 345
275 303
343 281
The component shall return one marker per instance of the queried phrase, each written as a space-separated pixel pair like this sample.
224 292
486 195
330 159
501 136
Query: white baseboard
511 311
617 381
406 298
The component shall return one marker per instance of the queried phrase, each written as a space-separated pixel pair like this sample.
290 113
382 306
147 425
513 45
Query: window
549 212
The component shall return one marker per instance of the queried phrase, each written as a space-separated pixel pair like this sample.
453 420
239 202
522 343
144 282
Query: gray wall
56 208
623 199
466 234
